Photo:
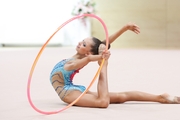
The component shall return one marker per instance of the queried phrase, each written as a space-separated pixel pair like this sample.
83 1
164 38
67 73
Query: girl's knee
103 103
122 97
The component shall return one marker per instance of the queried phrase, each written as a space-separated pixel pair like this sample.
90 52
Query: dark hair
95 47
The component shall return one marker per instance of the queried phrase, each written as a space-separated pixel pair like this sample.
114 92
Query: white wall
33 21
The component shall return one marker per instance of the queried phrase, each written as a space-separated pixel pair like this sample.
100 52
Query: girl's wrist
126 27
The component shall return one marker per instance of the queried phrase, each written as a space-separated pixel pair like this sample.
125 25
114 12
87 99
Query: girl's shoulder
70 60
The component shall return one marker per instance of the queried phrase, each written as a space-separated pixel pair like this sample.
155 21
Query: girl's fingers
106 55
137 31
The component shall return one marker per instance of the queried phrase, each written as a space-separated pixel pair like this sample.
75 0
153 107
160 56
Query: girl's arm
79 63
129 26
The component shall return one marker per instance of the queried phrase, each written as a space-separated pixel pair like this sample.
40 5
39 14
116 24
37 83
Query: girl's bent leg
87 100
101 100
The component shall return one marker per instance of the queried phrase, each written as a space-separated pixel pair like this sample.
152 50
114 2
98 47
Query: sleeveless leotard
67 77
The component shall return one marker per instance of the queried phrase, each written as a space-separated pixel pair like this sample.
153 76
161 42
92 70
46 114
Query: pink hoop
39 54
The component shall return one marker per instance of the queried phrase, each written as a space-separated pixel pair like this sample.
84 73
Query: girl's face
84 46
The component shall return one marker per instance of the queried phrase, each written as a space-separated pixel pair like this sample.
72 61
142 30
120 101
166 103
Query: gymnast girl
89 50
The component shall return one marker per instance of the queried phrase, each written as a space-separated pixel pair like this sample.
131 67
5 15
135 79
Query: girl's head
89 46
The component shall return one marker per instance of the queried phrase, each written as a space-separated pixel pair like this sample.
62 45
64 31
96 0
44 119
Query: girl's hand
133 27
106 55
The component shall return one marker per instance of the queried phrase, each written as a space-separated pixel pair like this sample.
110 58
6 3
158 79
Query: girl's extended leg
122 97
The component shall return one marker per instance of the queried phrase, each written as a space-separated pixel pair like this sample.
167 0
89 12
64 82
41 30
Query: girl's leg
101 99
122 97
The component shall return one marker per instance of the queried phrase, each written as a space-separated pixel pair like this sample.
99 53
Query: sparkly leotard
62 87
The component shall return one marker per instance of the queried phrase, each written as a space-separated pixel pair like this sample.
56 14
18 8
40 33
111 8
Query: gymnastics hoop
40 52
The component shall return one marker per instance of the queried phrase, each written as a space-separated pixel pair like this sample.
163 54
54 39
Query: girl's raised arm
129 26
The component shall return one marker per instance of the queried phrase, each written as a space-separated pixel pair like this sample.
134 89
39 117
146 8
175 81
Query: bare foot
170 99
101 49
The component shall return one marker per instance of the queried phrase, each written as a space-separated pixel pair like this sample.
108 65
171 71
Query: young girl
89 50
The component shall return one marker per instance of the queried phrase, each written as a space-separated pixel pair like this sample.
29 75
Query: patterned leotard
62 87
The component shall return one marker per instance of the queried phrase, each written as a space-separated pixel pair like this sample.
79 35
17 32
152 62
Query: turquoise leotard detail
59 67
67 75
